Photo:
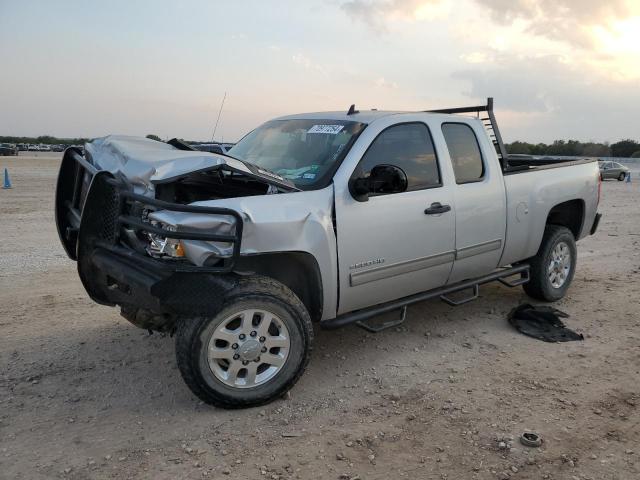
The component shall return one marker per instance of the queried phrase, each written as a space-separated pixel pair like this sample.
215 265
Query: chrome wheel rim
559 265
248 348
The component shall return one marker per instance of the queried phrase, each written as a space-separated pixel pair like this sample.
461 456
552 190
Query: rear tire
253 351
554 265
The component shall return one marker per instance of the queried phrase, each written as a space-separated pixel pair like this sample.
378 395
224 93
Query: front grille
110 214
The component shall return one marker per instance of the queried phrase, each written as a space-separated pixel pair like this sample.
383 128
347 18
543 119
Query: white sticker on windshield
327 129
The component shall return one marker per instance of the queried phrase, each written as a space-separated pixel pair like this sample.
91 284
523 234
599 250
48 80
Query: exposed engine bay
212 185
215 184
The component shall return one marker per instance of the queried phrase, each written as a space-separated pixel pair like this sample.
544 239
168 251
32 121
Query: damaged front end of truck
130 212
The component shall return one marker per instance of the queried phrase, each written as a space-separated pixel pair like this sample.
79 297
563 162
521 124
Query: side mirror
383 179
388 179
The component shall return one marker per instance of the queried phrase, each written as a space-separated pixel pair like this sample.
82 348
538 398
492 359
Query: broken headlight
160 246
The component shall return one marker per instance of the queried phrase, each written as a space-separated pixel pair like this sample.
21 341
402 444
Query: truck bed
520 164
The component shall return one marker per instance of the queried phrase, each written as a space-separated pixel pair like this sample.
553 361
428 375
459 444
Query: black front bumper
97 215
114 277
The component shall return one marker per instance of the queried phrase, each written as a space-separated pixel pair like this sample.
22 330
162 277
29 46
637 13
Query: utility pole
218 119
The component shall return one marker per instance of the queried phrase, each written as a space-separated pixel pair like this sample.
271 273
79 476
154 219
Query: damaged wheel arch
299 271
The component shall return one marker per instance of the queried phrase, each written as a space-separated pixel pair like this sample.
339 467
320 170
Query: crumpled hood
145 162
290 221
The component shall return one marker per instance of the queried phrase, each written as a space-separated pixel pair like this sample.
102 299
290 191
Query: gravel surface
84 394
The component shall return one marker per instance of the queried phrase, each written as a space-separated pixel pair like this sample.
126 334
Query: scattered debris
543 323
530 439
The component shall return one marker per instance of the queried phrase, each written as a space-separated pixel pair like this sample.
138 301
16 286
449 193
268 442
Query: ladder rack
490 125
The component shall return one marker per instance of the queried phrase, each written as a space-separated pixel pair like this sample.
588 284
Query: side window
408 146
464 152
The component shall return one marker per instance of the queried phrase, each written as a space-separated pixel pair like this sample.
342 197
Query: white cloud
578 23
378 13
476 57
566 21
544 98
308 64
381 82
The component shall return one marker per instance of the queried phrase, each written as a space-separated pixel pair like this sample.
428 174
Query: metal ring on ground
530 439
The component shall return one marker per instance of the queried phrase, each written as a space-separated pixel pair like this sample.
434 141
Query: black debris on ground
543 323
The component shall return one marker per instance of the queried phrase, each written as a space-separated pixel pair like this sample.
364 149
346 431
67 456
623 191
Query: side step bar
442 292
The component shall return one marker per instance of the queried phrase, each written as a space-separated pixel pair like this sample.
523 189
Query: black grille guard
93 207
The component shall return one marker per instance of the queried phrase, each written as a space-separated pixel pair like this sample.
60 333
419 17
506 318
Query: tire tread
538 286
189 329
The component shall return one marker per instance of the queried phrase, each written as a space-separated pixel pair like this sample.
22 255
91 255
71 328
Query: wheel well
568 214
297 270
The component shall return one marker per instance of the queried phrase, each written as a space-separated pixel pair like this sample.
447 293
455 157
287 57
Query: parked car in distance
33 148
8 149
612 170
58 148
44 148
23 147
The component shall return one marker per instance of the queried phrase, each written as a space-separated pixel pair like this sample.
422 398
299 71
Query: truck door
395 244
479 198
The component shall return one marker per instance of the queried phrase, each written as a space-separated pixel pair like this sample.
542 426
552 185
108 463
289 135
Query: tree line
44 139
574 148
570 148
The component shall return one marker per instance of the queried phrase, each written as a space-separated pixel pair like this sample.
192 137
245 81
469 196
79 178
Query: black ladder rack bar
480 108
492 123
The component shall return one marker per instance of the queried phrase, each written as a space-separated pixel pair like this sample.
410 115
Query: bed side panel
532 194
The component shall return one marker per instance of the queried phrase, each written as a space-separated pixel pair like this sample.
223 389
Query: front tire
621 177
253 351
554 265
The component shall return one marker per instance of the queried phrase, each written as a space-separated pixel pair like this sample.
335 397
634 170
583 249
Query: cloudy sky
557 68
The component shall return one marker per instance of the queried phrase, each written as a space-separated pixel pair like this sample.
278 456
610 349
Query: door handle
437 208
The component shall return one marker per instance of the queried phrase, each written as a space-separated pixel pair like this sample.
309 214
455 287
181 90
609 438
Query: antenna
218 119
352 110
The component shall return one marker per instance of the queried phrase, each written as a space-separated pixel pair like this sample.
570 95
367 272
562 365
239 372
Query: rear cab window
464 151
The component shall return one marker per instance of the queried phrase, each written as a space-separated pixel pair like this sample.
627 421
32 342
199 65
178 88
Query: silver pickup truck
332 217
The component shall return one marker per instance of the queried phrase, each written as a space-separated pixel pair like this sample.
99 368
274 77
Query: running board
454 303
500 275
385 325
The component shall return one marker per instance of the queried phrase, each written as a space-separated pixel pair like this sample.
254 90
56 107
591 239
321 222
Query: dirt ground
84 394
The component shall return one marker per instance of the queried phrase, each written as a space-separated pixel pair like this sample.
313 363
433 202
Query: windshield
303 151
